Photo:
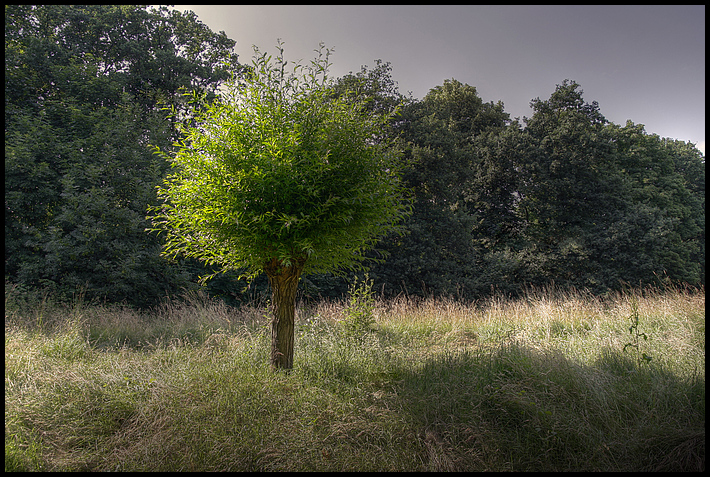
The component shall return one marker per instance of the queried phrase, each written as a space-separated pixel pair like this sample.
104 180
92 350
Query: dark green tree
600 204
569 184
84 88
375 88
437 254
660 233
493 201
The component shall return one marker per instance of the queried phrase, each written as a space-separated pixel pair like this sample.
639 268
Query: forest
499 204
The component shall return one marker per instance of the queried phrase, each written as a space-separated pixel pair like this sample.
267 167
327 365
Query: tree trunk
284 283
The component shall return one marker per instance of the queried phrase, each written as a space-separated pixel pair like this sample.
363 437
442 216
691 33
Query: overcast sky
643 63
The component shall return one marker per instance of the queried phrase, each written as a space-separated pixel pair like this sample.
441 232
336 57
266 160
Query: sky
643 63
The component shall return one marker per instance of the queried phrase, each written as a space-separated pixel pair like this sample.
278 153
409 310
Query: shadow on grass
522 409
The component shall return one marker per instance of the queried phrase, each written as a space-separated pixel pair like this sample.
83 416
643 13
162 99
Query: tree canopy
276 168
563 196
84 88
567 198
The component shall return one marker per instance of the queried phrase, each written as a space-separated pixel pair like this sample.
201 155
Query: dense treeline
85 88
564 197
567 198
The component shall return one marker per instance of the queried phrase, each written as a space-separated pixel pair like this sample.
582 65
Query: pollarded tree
280 176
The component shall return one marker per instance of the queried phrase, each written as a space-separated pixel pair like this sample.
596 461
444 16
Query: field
550 382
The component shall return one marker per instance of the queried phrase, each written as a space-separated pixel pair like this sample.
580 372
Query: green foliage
665 181
600 205
278 169
358 314
636 334
375 88
563 196
569 199
571 188
436 255
84 86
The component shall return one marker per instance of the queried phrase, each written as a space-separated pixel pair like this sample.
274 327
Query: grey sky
644 63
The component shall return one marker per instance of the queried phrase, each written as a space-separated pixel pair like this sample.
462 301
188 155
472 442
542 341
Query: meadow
553 381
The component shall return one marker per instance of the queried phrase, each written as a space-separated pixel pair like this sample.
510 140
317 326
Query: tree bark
284 283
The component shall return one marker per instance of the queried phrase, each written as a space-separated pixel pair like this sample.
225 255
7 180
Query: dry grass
540 383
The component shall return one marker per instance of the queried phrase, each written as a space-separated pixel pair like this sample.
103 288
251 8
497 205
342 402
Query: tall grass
540 383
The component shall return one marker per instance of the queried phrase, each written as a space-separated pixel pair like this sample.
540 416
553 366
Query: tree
375 87
602 204
569 188
660 231
436 255
84 88
280 177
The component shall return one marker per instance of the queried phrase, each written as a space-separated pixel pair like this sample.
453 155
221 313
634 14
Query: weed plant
358 315
541 383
